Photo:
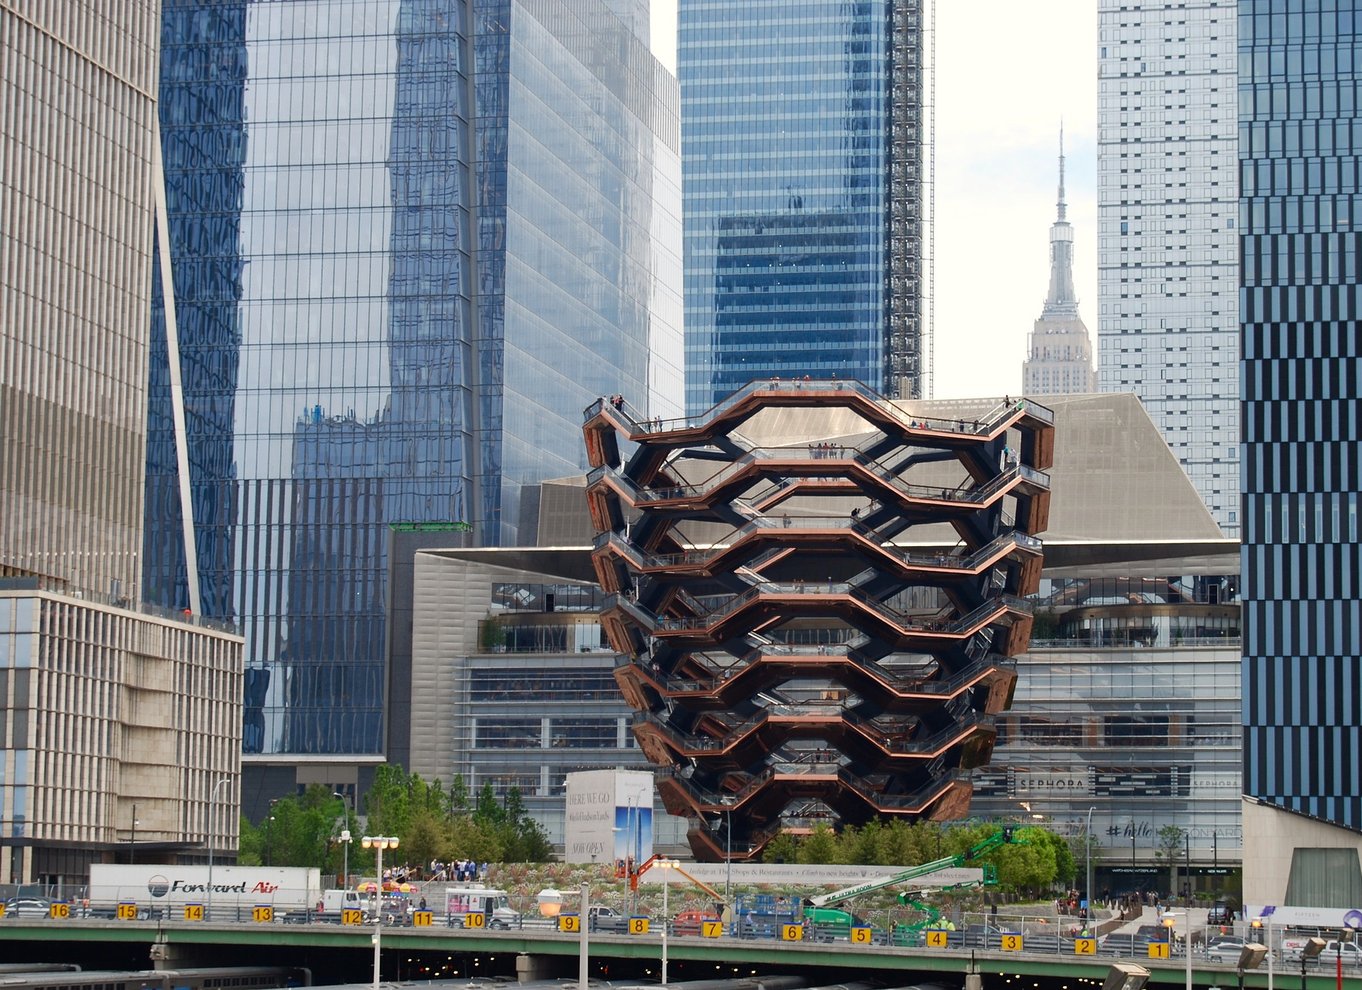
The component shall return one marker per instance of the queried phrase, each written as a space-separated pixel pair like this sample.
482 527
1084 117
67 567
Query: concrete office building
112 714
1302 389
411 241
124 735
1168 314
1137 574
802 143
1059 350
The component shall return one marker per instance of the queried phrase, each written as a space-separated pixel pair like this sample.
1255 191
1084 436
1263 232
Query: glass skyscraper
1168 320
801 137
1300 132
411 240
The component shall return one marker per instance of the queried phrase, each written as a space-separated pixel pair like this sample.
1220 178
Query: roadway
409 951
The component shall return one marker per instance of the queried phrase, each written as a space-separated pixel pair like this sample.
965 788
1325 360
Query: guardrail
1023 936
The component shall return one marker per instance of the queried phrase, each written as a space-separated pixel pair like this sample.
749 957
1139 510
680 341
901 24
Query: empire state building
1059 351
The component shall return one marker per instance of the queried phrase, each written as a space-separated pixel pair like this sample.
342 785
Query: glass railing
705 486
66 590
631 416
708 617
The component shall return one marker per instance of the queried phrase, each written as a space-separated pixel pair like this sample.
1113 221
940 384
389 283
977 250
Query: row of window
1119 731
497 732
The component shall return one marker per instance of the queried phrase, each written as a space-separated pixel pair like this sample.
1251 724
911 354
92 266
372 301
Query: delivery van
492 904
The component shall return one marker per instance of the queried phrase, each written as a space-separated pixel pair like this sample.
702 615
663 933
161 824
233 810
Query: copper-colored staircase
791 645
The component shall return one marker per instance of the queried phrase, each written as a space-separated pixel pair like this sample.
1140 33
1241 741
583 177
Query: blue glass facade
798 246
1300 89
412 239
202 111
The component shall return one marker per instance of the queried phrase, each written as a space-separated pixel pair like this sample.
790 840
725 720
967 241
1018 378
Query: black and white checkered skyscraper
1300 135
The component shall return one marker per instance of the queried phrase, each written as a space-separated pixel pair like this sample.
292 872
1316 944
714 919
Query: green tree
458 796
389 800
523 839
295 831
1033 862
468 840
1026 864
426 838
904 844
1085 849
250 850
859 845
1066 869
488 812
1169 847
819 847
784 848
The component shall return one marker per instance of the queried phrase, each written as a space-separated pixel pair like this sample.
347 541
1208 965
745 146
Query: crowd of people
460 870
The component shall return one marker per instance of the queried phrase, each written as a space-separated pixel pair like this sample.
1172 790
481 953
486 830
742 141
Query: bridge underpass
336 954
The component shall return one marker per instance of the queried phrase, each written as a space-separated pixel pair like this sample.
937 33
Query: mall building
1126 714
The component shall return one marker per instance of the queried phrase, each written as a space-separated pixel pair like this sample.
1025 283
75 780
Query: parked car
1350 953
1221 913
607 919
1225 949
28 907
691 922
1128 944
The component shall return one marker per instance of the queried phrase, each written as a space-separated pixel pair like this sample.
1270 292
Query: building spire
1062 207
1059 351
1061 298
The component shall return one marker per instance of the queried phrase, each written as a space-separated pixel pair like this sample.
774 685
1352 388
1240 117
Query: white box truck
489 906
162 890
335 903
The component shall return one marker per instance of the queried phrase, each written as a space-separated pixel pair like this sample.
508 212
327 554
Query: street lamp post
1087 870
1261 922
728 859
583 925
1311 949
378 843
132 841
727 822
1187 866
212 819
665 865
632 837
1170 920
1344 936
346 838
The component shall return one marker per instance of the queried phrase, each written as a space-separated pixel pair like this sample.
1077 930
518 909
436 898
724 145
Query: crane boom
916 872
651 861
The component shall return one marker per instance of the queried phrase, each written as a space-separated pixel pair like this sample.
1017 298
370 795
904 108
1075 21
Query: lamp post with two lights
666 866
1170 919
378 843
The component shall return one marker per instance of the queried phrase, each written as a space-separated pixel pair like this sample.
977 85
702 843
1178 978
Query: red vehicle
691 922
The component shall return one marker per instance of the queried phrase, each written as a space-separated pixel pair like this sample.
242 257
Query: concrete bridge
344 954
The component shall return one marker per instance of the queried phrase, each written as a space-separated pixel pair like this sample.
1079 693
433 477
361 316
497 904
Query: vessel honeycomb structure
816 625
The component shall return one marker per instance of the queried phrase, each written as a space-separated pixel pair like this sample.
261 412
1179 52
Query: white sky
1007 73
